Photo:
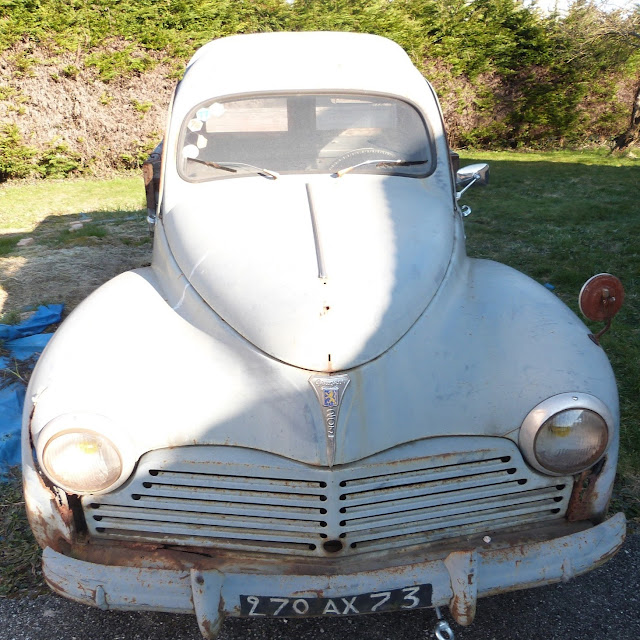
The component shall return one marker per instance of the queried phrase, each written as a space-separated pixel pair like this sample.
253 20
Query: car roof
299 61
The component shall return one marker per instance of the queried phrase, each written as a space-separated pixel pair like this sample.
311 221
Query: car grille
233 498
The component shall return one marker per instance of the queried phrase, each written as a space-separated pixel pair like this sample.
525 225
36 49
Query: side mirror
472 174
468 176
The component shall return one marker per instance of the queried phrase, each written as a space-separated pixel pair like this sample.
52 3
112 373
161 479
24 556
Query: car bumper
458 579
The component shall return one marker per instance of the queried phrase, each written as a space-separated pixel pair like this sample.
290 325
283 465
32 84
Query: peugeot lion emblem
330 390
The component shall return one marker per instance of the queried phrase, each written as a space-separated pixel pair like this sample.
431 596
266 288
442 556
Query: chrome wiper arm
228 166
379 163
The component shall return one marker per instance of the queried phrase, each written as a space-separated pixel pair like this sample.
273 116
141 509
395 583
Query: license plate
391 600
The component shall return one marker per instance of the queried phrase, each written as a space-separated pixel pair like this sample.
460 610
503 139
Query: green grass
88 234
597 157
24 205
561 218
20 571
10 317
8 243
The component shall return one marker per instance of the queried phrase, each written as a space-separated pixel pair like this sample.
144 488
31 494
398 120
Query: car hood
324 274
166 380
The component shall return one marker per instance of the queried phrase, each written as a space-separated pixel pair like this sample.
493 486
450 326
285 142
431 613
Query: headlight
566 434
571 441
82 461
85 453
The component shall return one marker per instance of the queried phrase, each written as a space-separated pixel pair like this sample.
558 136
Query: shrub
58 161
16 158
114 64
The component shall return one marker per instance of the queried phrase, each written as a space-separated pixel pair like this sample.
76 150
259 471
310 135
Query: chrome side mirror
470 175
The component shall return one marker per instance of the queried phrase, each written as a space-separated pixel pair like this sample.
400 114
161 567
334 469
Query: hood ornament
330 390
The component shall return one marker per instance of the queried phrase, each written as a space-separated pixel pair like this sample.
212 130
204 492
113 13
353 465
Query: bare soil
59 267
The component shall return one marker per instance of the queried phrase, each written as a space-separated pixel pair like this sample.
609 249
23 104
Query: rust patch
55 533
138 556
585 493
70 513
48 510
184 558
66 513
462 567
54 586
209 629
462 610
206 628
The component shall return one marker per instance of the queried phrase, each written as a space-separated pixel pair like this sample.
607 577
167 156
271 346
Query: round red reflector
601 297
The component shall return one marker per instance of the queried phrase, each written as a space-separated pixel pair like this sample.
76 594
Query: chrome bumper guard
458 580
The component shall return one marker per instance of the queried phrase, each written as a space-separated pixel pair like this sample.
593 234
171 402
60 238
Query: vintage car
313 403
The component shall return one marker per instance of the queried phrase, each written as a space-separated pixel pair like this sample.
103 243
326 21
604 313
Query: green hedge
513 77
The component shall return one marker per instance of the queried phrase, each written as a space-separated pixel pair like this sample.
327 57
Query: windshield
304 133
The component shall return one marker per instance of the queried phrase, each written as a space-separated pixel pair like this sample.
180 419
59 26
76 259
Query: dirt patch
59 267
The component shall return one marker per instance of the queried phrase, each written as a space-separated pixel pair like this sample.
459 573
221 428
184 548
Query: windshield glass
304 133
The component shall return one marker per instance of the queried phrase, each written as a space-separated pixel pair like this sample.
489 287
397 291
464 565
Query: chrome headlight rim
555 405
78 423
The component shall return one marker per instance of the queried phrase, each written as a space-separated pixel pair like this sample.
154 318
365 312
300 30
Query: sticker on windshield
194 125
190 151
201 142
202 114
216 109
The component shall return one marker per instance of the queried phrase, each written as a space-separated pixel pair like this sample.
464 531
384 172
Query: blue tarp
22 341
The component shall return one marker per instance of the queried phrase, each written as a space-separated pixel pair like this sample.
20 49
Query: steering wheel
361 155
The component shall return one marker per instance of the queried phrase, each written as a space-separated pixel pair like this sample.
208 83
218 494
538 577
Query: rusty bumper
458 579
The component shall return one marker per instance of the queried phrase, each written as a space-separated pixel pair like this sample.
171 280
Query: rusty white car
313 402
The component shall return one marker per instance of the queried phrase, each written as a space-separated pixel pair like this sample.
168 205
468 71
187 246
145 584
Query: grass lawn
23 205
559 217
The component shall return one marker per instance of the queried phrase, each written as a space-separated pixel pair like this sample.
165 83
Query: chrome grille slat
174 516
233 544
424 537
451 472
297 511
469 513
429 489
479 496
231 482
204 530
417 493
438 523
246 497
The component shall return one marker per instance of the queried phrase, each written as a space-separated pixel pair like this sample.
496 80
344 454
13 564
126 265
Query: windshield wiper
229 166
379 163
